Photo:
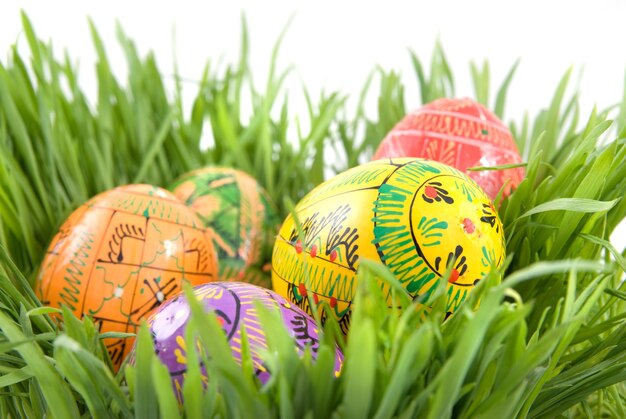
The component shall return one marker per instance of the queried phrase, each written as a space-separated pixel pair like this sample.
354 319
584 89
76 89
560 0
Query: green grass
548 338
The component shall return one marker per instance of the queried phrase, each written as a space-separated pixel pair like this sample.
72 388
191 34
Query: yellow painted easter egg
421 218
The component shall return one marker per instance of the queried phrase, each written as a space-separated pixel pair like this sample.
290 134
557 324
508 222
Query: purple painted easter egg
232 303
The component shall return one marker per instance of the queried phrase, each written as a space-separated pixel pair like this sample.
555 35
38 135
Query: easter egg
233 304
460 133
240 217
120 255
420 218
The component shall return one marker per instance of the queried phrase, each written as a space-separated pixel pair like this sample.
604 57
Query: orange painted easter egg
120 255
240 217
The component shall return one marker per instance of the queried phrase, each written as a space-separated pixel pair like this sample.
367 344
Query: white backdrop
335 44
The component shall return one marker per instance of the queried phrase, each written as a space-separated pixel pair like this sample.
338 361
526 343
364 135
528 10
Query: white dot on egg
119 291
170 248
160 296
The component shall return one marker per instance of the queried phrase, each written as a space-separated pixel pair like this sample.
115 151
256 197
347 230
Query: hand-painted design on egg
460 133
120 255
240 217
232 302
421 218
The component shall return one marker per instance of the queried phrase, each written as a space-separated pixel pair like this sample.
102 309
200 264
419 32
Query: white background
335 44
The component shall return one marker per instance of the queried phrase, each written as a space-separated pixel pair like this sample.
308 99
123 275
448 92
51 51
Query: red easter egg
460 133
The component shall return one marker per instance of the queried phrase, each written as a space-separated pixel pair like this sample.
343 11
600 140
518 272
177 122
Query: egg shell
239 215
120 255
415 216
233 304
460 133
